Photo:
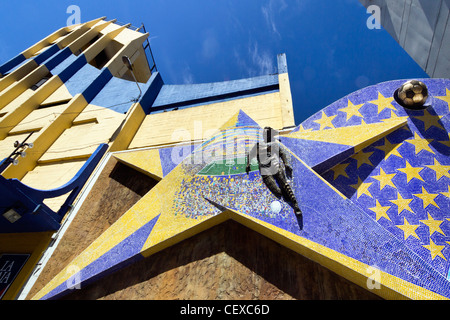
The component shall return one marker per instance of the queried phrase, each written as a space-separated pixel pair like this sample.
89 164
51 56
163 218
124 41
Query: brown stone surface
228 261
115 191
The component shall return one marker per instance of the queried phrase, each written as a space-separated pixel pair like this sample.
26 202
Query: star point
325 121
427 198
352 110
445 98
402 204
362 188
390 149
363 157
339 170
380 211
441 170
447 194
383 103
420 143
384 179
429 120
411 172
435 250
408 229
434 225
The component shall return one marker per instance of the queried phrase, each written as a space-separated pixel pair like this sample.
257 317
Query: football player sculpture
273 162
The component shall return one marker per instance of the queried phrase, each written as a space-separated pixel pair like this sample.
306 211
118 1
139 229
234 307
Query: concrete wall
422 28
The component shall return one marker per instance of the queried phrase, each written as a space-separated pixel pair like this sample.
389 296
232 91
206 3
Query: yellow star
434 225
435 250
408 229
352 110
430 120
402 204
446 98
385 179
362 188
427 198
420 143
390 149
446 142
393 115
301 129
411 172
325 121
447 194
339 170
363 157
440 169
383 103
380 211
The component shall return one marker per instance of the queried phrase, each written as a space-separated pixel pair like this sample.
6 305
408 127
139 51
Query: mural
371 177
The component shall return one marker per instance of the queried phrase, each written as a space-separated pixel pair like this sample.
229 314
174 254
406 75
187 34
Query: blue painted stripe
153 90
123 254
97 85
180 95
55 60
66 72
46 54
14 62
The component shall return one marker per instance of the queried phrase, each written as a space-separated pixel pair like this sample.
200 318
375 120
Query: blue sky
330 51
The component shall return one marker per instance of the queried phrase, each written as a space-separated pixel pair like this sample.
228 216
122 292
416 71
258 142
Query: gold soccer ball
413 94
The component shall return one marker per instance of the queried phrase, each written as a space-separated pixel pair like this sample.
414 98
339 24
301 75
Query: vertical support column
287 110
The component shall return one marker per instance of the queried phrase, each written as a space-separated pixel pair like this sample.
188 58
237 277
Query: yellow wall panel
22 98
203 121
7 145
38 119
60 94
82 139
56 174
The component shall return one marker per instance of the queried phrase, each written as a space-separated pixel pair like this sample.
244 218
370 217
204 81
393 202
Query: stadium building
116 185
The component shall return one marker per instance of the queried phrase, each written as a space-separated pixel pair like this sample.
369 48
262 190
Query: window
38 84
54 104
106 54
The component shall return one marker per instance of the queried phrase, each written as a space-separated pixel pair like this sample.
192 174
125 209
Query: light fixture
11 215
126 61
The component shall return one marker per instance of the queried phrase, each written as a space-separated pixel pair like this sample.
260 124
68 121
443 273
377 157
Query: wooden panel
228 261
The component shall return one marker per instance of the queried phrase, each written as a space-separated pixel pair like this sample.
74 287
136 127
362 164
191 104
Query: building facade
131 188
422 28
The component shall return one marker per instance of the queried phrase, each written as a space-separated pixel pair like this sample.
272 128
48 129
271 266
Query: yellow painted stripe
145 161
357 136
391 287
13 118
88 36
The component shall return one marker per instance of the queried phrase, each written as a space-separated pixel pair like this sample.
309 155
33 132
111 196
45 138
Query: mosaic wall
371 178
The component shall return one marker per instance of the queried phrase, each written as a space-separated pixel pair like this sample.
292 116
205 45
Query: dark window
38 84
